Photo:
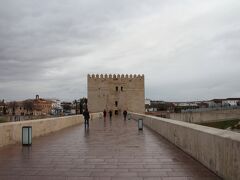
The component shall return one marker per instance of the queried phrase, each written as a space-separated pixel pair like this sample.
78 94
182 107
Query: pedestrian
86 118
125 114
104 114
110 114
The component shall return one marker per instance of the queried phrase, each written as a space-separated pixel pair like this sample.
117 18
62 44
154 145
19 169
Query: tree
28 105
81 108
76 106
4 110
83 104
13 105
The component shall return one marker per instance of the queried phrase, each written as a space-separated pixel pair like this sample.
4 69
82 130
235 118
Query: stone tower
116 93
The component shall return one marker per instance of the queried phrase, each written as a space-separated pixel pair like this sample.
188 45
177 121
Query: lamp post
129 116
27 135
140 124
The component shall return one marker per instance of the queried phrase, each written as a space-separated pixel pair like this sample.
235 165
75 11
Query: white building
148 102
56 107
231 102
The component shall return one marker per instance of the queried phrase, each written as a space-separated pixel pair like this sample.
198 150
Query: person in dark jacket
104 114
86 118
110 114
125 114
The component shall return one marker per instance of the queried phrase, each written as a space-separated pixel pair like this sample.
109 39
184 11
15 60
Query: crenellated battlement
116 76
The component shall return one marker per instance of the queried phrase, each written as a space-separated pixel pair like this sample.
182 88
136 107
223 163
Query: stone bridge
108 150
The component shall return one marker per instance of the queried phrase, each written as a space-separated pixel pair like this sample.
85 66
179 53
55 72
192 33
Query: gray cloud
187 50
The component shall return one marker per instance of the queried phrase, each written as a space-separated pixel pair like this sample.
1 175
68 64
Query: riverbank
232 125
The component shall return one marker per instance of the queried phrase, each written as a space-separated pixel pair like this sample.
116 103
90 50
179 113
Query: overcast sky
187 50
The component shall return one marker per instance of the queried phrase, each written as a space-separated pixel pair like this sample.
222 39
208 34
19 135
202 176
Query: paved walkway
113 150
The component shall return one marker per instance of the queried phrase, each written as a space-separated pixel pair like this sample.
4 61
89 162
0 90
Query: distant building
214 103
202 105
3 108
231 102
67 108
56 107
156 106
41 106
35 107
148 102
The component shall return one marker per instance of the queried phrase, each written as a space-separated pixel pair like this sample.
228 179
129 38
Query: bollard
27 135
129 116
140 124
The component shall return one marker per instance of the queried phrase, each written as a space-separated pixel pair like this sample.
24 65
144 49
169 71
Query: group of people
105 114
110 114
87 116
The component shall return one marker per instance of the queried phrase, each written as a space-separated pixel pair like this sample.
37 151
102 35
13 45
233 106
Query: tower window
116 103
121 88
116 88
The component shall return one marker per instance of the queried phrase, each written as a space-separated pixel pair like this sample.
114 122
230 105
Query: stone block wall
218 150
207 116
11 133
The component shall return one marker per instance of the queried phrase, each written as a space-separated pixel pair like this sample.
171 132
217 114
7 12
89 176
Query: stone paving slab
108 150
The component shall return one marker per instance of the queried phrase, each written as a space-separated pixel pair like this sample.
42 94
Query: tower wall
129 95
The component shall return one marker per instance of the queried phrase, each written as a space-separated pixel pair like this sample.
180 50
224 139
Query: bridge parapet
11 133
217 149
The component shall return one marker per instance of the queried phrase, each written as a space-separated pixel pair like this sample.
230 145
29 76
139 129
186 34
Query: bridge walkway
109 150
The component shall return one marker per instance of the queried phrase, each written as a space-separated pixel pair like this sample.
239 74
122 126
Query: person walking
104 114
125 114
86 118
110 114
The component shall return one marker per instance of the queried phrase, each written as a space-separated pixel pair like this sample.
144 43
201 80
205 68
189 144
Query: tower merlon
115 76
